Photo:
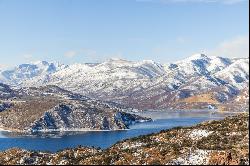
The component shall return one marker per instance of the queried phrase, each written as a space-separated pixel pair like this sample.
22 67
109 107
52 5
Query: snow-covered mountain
144 84
236 73
24 72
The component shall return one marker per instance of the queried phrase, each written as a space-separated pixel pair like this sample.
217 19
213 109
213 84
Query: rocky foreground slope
214 142
51 108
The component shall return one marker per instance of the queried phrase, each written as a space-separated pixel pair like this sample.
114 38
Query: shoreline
139 145
189 110
99 130
9 129
56 130
74 130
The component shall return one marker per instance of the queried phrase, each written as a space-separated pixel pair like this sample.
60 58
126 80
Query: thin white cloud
28 56
94 56
70 54
91 55
237 47
3 66
227 2
88 52
83 52
117 55
180 40
230 2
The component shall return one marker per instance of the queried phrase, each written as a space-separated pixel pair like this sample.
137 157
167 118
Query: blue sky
72 31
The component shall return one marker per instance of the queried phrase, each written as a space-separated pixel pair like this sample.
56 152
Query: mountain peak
197 56
117 60
45 63
149 61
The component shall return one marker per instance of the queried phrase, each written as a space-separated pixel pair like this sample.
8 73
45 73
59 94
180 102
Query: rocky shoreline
216 142
51 108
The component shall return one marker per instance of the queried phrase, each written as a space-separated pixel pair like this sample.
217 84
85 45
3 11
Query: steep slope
52 108
24 72
223 142
237 74
145 84
6 92
223 87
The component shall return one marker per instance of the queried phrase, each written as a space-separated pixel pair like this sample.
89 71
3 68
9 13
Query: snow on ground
197 157
198 134
126 145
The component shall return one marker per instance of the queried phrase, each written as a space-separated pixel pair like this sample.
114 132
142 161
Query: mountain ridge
145 84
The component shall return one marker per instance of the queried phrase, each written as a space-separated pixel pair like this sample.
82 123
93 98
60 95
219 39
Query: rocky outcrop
6 92
51 108
77 116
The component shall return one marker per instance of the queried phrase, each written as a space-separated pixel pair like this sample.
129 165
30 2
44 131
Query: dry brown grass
23 114
202 98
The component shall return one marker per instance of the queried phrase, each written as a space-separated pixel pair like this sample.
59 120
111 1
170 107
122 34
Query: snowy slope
24 72
236 74
144 84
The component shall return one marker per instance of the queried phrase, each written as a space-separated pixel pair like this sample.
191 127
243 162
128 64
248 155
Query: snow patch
198 134
198 157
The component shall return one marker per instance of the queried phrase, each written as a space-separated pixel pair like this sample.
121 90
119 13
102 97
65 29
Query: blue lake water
104 139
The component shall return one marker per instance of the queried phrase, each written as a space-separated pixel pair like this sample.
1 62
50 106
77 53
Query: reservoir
55 141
